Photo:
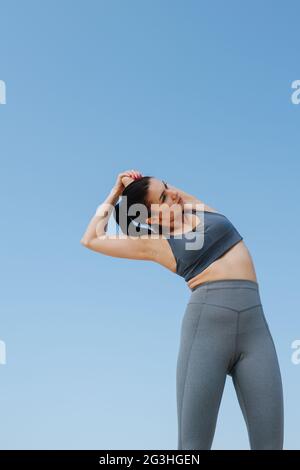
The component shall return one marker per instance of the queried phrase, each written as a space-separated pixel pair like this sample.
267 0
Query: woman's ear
152 220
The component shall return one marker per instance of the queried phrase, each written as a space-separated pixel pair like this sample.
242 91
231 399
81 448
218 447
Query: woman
224 330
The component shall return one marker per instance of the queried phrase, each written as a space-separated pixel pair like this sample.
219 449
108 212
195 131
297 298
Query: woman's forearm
98 224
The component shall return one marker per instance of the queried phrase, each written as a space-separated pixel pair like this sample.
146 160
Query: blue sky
197 93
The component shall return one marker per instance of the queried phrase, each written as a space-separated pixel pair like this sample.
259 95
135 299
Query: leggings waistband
234 294
227 283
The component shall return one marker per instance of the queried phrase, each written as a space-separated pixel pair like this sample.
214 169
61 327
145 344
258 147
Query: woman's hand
124 179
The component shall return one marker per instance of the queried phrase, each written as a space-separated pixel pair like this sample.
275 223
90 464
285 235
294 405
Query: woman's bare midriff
236 263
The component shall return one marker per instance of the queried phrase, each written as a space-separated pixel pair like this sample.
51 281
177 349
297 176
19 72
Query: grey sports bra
197 249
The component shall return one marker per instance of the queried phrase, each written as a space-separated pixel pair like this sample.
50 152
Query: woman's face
165 203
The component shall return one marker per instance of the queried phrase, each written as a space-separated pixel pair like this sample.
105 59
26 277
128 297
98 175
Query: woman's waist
233 295
236 263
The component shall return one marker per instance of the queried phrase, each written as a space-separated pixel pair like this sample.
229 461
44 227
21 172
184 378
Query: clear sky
197 93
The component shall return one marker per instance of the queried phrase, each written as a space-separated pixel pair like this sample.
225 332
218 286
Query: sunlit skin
236 263
166 207
170 208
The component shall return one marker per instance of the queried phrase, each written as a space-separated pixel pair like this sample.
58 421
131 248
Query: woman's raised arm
122 246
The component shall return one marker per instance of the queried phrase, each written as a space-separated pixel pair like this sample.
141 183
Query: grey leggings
224 332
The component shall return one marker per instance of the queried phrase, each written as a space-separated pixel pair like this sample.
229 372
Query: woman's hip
226 306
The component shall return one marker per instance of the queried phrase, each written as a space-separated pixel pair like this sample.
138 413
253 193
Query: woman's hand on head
124 179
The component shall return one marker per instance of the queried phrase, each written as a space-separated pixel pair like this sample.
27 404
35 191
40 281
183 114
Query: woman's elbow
85 242
93 243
